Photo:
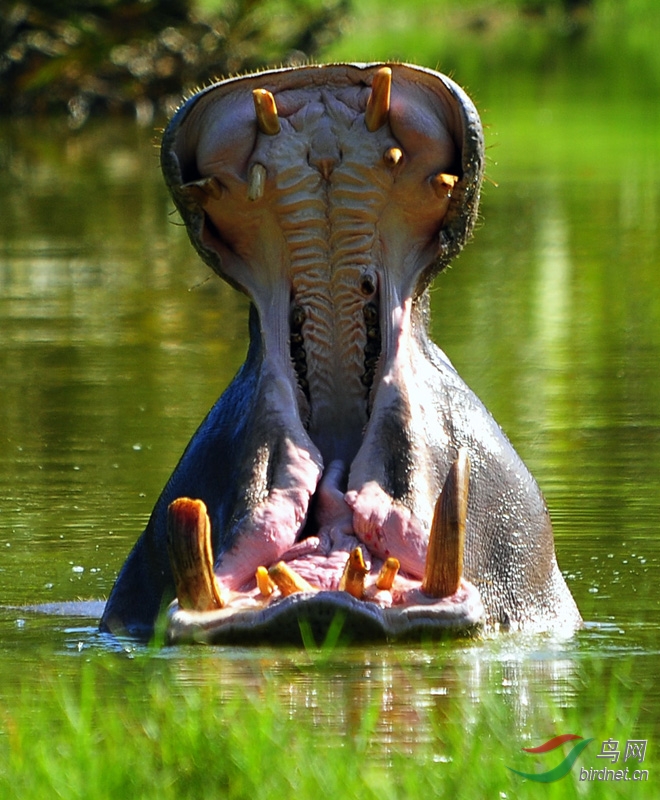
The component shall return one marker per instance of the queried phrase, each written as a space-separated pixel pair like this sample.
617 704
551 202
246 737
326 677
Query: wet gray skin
332 196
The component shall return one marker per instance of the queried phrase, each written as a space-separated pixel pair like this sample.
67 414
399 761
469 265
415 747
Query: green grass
133 728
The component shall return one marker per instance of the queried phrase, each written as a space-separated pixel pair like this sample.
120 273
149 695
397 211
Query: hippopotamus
347 473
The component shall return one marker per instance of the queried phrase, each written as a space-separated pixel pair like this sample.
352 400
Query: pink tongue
271 527
367 516
388 528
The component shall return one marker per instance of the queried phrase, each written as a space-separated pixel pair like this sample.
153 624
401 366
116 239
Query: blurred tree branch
90 57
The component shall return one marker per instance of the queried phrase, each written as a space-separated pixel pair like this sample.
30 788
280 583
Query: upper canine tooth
264 105
287 580
444 558
352 580
191 559
378 105
388 573
256 182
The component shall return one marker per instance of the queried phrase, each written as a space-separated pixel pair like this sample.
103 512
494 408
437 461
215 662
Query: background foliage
87 57
140 56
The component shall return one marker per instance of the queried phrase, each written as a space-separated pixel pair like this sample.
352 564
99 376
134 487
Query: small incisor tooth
191 558
266 110
443 184
265 584
444 558
388 573
287 580
392 156
256 182
355 571
378 105
203 190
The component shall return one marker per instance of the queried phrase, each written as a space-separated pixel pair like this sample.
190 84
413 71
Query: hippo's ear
466 131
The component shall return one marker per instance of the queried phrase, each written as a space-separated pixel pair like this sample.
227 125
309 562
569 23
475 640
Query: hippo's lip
315 582
288 619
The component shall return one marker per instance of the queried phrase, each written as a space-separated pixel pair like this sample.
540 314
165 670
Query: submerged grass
124 729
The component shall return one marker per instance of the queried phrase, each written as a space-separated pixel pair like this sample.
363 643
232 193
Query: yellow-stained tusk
287 580
265 584
355 571
444 558
388 573
392 156
256 182
266 109
191 558
378 105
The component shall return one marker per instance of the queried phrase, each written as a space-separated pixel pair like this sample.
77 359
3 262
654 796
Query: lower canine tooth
388 573
444 558
191 558
352 580
287 580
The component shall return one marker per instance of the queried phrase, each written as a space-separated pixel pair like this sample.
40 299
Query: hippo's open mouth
324 202
332 196
323 576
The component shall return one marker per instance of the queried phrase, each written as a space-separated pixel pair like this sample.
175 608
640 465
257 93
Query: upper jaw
429 143
331 196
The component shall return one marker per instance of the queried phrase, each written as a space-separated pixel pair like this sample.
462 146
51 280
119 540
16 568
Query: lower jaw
364 604
305 616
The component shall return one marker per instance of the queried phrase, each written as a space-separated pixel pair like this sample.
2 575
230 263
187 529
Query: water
116 341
